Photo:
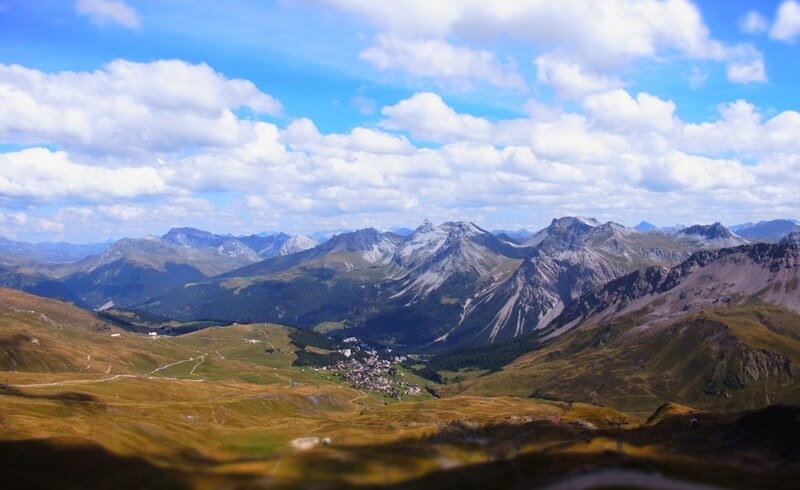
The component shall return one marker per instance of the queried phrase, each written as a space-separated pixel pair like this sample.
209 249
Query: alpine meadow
399 244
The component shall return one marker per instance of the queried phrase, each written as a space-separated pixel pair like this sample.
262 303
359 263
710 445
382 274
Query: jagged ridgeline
438 287
720 329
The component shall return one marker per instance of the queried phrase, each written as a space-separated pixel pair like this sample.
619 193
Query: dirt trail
75 382
361 396
170 365
202 360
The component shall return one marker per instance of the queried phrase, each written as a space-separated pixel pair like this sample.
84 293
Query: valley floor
293 429
85 405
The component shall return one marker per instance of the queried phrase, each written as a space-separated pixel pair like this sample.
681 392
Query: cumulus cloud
594 37
747 72
435 59
363 104
128 106
426 116
618 111
303 135
786 27
104 12
741 129
753 23
571 80
38 174
598 32
678 171
615 152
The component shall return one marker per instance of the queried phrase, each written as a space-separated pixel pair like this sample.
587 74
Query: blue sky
124 118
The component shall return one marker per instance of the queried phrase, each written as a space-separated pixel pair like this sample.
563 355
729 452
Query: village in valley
366 370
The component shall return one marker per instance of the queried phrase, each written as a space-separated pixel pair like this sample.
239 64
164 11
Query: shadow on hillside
67 464
65 396
696 451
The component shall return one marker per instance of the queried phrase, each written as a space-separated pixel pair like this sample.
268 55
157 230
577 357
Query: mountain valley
447 338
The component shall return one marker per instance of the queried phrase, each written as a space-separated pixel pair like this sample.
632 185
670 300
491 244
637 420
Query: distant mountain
440 286
268 233
294 244
673 228
710 236
741 226
519 235
194 238
377 281
722 328
35 282
401 230
250 248
325 235
133 270
565 260
767 231
14 252
645 226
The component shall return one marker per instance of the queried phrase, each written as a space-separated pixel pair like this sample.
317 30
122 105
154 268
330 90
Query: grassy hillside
91 406
726 358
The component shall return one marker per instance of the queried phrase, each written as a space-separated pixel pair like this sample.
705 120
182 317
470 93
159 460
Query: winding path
74 382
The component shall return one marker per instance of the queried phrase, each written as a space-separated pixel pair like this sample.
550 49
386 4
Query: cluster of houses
365 369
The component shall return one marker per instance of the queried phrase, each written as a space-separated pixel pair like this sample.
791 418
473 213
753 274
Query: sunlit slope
40 335
731 357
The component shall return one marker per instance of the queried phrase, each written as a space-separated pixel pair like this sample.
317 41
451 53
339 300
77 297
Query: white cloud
428 118
571 80
303 135
103 12
572 140
753 23
747 72
741 129
128 107
614 152
618 111
587 38
677 171
596 31
363 104
39 174
121 212
44 225
787 22
697 78
442 62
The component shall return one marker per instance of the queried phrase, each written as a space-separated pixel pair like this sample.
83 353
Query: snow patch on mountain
296 243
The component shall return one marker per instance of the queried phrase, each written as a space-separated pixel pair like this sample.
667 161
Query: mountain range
439 287
580 310
721 329
436 288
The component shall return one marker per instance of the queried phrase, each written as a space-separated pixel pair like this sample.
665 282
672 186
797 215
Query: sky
129 117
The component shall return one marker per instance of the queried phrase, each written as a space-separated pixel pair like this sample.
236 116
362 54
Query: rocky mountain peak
712 232
792 238
573 223
357 241
425 227
238 250
711 236
296 243
645 226
565 233
192 237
